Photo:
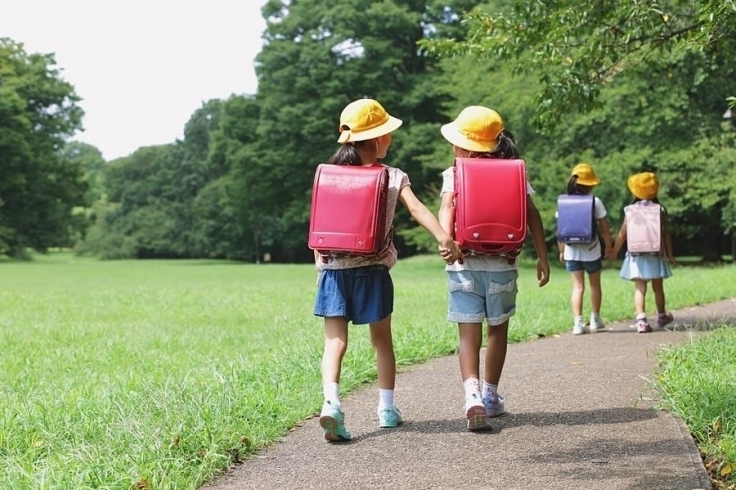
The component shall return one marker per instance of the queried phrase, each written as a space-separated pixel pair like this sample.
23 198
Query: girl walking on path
359 289
483 287
644 267
586 257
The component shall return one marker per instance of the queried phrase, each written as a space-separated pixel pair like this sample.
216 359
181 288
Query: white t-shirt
397 180
587 252
488 263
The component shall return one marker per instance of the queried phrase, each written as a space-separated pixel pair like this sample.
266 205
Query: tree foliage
39 185
575 49
154 191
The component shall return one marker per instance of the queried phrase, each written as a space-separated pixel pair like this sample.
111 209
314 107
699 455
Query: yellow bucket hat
476 128
365 119
644 185
586 175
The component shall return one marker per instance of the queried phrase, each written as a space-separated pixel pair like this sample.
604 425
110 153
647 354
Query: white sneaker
596 324
578 328
475 412
494 408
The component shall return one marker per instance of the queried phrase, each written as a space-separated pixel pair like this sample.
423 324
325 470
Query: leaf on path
725 470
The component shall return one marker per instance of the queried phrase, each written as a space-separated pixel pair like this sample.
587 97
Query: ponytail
572 185
346 155
505 146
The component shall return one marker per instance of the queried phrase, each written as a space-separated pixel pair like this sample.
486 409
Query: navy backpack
576 218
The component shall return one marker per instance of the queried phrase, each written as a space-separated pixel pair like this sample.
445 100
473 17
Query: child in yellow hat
642 268
587 257
483 287
359 289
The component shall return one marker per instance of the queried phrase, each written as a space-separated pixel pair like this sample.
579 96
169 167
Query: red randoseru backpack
348 209
490 205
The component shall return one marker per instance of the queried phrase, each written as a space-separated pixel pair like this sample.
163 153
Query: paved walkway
579 416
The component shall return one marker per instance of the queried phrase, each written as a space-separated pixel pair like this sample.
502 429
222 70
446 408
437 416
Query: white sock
331 392
385 398
489 390
472 387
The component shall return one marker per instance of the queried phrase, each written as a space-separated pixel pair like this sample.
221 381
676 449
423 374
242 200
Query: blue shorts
590 267
478 295
361 294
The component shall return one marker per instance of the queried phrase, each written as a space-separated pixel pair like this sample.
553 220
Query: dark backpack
576 218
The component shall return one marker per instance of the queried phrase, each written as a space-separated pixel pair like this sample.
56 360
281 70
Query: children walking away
358 288
649 248
580 244
483 287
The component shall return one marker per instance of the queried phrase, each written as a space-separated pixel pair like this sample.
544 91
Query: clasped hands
450 252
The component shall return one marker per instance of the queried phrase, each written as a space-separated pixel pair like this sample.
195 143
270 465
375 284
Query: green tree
149 209
93 164
135 221
231 209
40 186
575 49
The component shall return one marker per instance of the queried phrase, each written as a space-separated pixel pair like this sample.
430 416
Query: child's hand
562 256
450 251
542 272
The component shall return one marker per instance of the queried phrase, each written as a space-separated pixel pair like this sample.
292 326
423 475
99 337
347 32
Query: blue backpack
576 218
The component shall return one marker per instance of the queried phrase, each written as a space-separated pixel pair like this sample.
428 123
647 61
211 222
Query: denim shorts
590 267
478 295
360 294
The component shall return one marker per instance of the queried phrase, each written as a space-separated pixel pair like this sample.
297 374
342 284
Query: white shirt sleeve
599 209
448 181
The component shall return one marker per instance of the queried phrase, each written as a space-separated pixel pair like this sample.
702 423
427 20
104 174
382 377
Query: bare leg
385 358
336 343
496 352
471 338
596 294
658 290
578 289
640 297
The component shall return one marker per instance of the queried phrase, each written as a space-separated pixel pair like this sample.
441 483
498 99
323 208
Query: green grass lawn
114 374
697 381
